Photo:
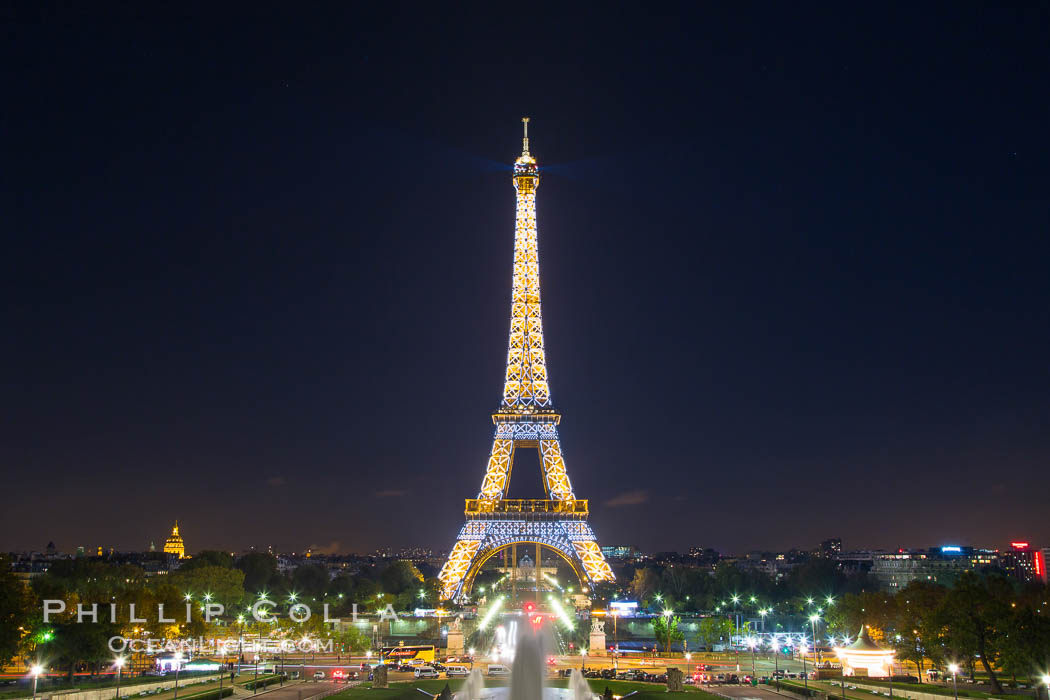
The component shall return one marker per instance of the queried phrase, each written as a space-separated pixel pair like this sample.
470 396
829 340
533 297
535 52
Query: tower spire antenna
525 140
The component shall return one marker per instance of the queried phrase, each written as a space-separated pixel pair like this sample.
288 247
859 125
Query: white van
453 670
497 670
426 672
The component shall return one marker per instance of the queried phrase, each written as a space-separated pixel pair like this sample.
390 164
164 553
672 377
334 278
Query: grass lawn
862 693
25 686
406 690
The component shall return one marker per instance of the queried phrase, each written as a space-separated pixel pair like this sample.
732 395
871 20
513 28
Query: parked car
426 672
318 675
608 674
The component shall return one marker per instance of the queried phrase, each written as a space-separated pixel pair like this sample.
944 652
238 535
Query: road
302 691
746 692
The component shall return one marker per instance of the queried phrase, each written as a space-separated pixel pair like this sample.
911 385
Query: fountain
474 686
527 676
528 670
579 687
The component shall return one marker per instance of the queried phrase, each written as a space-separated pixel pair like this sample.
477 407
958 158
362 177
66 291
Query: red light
1019 545
529 608
1038 563
537 620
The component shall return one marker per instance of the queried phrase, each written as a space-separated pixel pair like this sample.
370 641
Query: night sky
256 270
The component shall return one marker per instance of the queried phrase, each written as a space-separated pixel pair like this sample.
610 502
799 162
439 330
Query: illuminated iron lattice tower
525 418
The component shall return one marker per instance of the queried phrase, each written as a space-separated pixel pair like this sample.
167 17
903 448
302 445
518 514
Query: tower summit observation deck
525 418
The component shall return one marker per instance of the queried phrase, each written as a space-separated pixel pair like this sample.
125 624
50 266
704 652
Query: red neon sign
1019 545
1039 564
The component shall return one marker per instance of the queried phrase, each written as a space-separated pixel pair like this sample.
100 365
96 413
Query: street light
1046 682
954 668
119 663
36 670
813 619
178 665
583 660
805 674
773 644
255 683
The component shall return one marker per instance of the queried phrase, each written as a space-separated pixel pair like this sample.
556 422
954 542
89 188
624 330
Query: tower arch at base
480 538
493 548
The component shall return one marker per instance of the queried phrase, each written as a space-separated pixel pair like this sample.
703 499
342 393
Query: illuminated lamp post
240 642
1046 682
751 643
813 619
178 665
773 644
805 673
36 670
954 668
255 683
667 621
119 663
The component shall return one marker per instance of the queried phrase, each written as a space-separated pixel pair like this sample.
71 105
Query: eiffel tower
525 418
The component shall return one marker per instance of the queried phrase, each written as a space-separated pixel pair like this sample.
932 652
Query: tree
220 584
918 628
644 583
351 640
714 630
310 580
665 628
1026 642
14 612
258 569
400 576
975 610
73 643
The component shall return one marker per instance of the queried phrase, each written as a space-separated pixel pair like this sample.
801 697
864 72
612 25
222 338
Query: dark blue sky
256 270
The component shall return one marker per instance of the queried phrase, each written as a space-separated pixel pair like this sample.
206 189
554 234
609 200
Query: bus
423 653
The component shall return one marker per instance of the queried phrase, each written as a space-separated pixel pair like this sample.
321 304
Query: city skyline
801 268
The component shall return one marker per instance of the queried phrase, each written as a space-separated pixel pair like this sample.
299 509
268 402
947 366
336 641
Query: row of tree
981 621
211 577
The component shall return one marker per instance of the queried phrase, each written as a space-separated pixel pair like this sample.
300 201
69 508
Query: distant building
831 547
174 544
620 552
704 555
895 570
1023 563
